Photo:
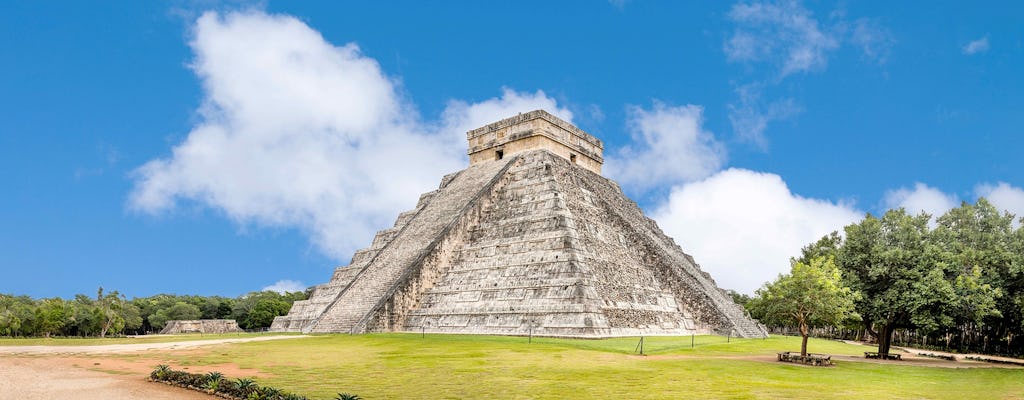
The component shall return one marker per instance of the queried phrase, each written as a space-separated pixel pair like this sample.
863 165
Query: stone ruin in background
530 238
201 326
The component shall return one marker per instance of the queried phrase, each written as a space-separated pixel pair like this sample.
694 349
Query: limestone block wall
201 326
695 290
634 299
514 271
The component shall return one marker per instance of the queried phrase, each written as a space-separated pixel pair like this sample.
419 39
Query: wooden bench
890 356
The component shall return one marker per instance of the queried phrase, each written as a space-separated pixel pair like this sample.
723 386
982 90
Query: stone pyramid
529 239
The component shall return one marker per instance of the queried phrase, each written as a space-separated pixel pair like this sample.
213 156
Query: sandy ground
128 348
81 372
48 378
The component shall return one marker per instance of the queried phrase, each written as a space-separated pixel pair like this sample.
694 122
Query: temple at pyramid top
535 130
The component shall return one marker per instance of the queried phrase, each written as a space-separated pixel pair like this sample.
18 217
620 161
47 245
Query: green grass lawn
62 341
406 366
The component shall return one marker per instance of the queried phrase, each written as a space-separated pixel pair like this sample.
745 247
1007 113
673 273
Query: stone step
370 287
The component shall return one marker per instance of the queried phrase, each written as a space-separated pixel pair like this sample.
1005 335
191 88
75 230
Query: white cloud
669 146
976 46
286 285
873 39
460 116
920 198
1004 196
297 132
783 33
750 116
743 226
788 39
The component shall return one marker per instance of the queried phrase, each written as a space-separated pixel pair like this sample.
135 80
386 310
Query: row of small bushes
995 360
947 357
217 384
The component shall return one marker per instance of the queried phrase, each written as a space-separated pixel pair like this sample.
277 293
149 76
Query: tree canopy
958 278
111 313
812 294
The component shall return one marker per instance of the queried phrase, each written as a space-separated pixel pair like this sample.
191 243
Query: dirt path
910 356
128 348
966 357
47 378
80 372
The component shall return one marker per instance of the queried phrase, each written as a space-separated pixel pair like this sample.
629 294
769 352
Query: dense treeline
953 283
111 313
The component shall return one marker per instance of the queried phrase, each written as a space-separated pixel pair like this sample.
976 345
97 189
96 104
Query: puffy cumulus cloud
669 146
286 285
297 132
784 33
976 46
920 198
743 226
1004 196
460 116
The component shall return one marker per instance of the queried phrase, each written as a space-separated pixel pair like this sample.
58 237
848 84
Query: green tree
827 246
16 314
974 246
212 306
179 311
84 318
1017 268
52 315
811 295
740 299
258 309
150 306
115 313
887 261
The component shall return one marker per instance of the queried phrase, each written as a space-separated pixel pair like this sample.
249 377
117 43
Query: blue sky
219 148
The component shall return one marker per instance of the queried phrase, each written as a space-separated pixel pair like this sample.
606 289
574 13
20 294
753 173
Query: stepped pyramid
530 238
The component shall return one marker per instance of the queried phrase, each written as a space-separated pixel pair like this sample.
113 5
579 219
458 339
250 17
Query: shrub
215 382
270 392
160 372
244 386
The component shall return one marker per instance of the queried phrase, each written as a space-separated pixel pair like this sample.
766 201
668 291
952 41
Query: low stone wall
818 360
201 326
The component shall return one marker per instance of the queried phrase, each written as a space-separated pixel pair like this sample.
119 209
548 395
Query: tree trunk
803 344
885 340
867 328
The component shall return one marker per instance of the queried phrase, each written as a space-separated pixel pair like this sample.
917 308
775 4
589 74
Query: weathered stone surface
532 131
201 326
533 241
